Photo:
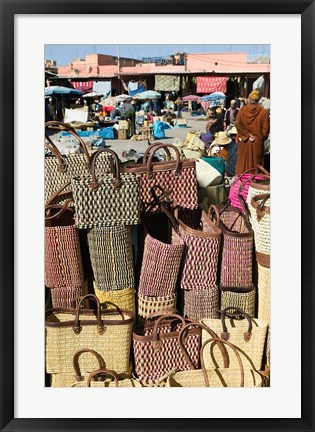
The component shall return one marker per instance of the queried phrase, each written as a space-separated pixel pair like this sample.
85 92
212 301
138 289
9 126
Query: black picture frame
8 10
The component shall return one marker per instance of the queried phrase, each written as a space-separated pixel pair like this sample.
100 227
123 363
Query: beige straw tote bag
148 305
107 378
60 169
77 374
108 332
264 293
260 218
224 377
122 299
241 299
248 335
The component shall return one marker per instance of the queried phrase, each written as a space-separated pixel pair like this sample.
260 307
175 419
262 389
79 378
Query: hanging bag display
156 349
107 200
248 335
237 247
173 175
59 169
106 331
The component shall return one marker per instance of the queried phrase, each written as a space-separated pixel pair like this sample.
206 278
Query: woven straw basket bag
244 299
60 169
110 379
200 263
76 375
156 349
241 184
122 299
248 335
111 257
201 304
206 174
108 333
148 305
161 261
264 293
174 175
63 262
215 194
106 200
229 376
237 247
260 217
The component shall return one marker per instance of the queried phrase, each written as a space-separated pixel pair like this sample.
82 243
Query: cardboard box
122 134
123 124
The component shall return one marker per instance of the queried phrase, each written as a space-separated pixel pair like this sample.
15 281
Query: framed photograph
117 77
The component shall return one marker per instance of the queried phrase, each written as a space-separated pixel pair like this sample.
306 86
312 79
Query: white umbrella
93 94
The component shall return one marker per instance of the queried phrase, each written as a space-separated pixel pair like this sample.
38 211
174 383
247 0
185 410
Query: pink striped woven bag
157 351
241 183
237 247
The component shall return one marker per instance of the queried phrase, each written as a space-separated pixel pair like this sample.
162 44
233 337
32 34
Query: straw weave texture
241 180
237 251
63 262
150 304
242 300
77 166
113 346
160 266
211 195
106 206
111 257
124 299
230 377
65 297
263 293
151 364
251 352
200 263
261 230
201 304
183 187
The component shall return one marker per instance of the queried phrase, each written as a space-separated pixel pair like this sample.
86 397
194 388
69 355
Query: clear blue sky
63 54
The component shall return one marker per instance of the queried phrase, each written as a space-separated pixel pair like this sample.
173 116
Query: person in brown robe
252 124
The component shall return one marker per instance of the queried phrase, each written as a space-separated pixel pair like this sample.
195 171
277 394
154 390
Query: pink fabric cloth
84 86
207 84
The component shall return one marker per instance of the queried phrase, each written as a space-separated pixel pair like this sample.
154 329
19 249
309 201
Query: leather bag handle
156 343
103 371
214 209
261 209
100 326
151 146
55 125
204 370
225 335
157 147
75 362
95 184
210 332
65 207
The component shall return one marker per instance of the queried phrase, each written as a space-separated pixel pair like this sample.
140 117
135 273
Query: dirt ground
119 146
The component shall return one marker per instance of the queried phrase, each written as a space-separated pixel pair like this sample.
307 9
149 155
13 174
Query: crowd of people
244 132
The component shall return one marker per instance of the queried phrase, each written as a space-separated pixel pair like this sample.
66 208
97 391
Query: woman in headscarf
252 124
